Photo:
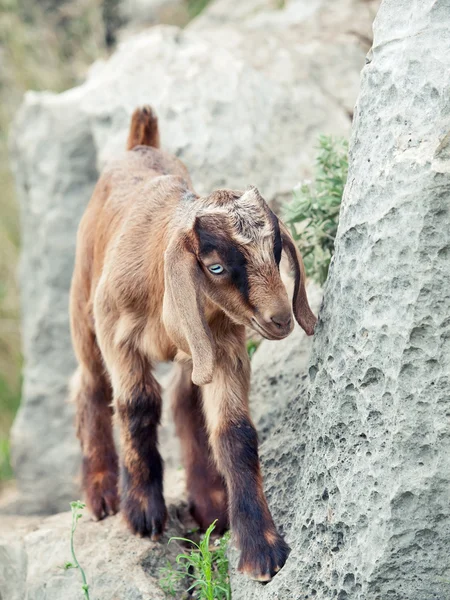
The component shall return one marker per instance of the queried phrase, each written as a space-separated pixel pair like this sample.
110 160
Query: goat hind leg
91 392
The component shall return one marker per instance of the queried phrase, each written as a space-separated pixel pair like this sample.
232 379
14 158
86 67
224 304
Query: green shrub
203 569
313 213
9 402
195 7
5 460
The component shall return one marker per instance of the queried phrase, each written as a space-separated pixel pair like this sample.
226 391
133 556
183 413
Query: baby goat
163 274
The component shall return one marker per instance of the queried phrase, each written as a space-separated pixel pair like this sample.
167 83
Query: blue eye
216 269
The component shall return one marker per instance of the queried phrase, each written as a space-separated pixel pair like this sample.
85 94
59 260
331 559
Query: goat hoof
261 561
145 514
209 506
102 497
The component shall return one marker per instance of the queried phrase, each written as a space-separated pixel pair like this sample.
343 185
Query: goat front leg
235 446
137 402
206 489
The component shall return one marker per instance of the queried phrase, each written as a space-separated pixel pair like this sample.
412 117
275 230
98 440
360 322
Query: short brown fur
146 288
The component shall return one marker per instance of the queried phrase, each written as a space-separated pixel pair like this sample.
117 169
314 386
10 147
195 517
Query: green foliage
252 346
5 461
77 506
313 213
195 7
9 402
202 569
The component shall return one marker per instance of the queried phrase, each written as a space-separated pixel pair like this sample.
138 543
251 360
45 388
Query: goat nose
281 321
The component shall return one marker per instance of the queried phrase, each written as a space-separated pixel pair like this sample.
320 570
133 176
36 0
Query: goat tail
144 129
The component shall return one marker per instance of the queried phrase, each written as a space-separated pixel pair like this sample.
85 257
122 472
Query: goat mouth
265 333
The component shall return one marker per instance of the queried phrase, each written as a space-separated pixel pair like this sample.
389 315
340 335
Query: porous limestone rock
235 111
358 475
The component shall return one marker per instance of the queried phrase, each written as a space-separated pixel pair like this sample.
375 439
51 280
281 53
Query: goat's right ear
183 313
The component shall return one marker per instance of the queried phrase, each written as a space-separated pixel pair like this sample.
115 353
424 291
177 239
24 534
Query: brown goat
162 274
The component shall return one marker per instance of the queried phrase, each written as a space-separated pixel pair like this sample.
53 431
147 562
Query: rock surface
312 18
359 477
118 565
238 107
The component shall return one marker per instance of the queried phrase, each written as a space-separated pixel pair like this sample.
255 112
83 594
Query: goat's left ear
183 313
302 311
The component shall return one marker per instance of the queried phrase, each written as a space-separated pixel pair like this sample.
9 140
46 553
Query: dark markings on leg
141 474
263 551
99 457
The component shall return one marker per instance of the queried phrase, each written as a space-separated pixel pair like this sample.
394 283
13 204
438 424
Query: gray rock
359 476
237 114
328 39
310 18
13 560
255 13
55 173
117 564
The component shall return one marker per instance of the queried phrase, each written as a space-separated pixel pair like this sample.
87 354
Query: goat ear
183 314
302 311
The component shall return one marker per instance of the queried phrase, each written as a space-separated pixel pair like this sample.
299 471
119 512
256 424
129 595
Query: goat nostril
280 322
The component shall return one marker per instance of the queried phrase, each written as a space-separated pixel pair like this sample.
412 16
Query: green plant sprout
313 213
205 570
77 506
